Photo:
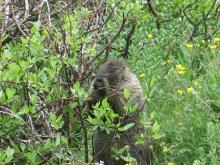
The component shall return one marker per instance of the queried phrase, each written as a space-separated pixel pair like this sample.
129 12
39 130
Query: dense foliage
48 57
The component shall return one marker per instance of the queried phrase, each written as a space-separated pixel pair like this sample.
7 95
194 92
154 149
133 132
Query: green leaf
97 105
2 96
24 65
105 103
128 158
126 127
47 144
28 109
198 162
36 27
156 131
73 105
91 51
2 156
13 67
76 85
127 93
112 115
56 121
22 147
93 121
7 54
64 140
155 127
31 156
57 142
51 73
9 154
10 94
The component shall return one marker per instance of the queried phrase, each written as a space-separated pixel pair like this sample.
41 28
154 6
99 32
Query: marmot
110 81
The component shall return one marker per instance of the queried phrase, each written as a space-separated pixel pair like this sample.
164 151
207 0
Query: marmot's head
109 74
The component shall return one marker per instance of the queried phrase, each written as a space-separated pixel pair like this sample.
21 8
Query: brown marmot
110 81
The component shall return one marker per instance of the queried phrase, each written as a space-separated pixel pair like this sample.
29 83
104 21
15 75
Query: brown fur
111 79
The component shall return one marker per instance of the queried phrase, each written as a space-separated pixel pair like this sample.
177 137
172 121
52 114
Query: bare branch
7 9
128 40
7 111
48 8
154 12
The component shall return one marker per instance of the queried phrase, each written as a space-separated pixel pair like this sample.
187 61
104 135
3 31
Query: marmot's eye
113 70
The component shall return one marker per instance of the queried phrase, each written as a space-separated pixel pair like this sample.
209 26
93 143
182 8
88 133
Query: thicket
50 50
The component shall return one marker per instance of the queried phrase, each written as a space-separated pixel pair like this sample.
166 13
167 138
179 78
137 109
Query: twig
10 112
112 40
26 14
84 127
154 12
7 9
170 19
187 17
49 17
17 22
106 21
34 132
204 18
106 47
128 40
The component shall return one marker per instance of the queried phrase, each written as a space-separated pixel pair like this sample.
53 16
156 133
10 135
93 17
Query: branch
49 17
7 111
128 40
7 9
154 12
112 40
187 17
84 127
26 14
103 50
106 21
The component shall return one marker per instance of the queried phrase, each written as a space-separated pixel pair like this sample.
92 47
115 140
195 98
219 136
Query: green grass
185 106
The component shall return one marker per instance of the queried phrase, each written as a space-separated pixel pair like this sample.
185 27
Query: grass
181 81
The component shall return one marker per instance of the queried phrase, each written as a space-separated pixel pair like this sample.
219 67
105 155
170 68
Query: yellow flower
217 39
149 36
170 163
189 45
169 61
189 90
142 75
128 164
181 72
180 67
165 149
213 46
179 91
203 41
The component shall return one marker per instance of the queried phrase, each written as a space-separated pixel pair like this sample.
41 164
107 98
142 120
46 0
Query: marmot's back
131 82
